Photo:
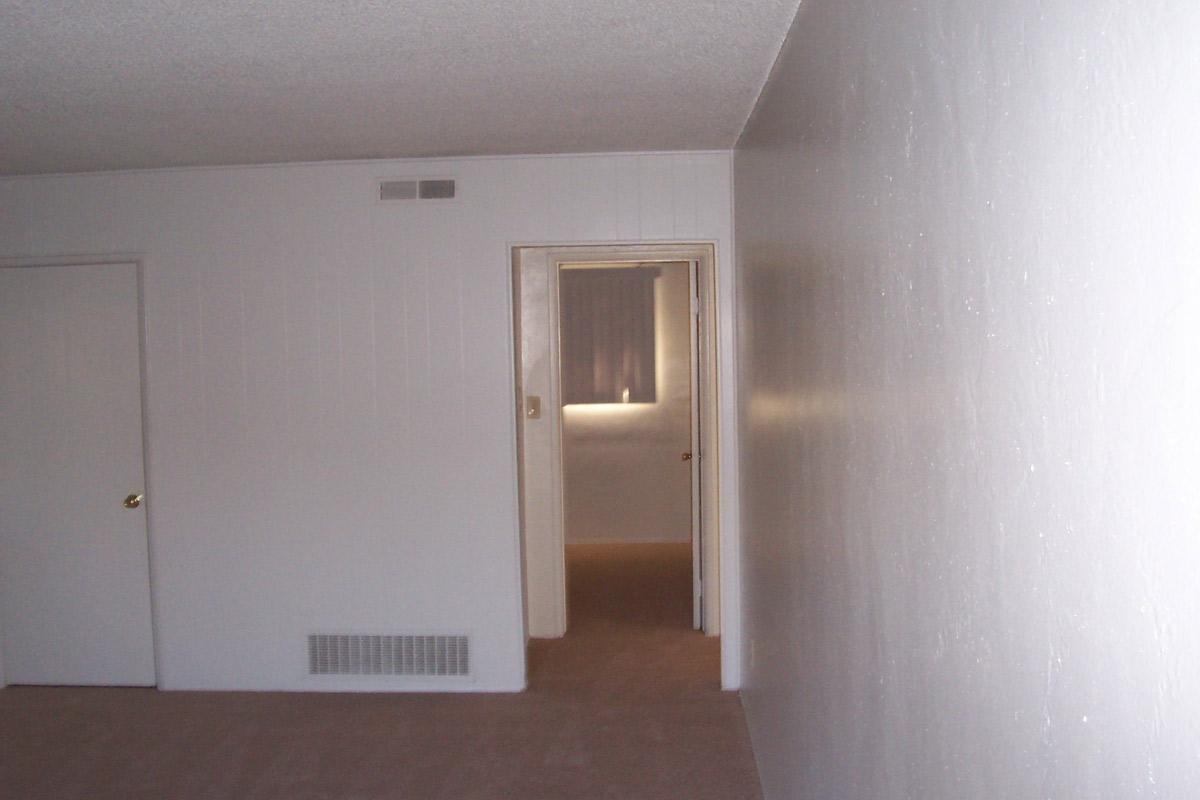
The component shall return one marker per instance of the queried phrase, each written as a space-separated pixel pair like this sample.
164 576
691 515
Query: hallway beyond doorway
651 717
629 624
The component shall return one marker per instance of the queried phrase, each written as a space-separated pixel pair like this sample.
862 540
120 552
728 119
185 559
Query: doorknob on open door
686 456
134 500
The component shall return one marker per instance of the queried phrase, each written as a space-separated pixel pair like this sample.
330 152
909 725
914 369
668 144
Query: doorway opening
630 509
617 432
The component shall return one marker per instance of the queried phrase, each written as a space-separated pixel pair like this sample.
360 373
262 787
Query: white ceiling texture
117 84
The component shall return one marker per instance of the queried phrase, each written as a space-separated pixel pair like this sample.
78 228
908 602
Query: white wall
623 479
969 312
329 382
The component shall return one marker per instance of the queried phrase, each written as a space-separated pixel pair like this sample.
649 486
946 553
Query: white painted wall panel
656 189
970 330
330 421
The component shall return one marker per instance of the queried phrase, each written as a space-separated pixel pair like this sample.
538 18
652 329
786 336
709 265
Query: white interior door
74 575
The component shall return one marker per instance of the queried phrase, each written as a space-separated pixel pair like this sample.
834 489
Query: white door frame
138 261
535 311
697 369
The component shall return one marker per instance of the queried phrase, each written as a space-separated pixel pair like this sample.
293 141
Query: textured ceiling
114 84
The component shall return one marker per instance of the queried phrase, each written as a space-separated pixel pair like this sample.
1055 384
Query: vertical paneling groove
288 354
683 199
244 334
373 294
405 395
627 200
342 387
463 386
202 366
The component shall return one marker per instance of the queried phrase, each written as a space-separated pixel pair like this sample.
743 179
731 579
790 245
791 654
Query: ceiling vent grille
417 189
354 654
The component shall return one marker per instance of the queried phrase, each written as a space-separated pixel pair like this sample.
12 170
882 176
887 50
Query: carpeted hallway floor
627 705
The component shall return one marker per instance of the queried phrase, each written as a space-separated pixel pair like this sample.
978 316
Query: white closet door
74 575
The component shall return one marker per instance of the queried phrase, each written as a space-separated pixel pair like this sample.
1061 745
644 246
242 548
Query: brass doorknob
134 500
686 456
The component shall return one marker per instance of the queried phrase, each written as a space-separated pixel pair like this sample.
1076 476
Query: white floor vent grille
349 654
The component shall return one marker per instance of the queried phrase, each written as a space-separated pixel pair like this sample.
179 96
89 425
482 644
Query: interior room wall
623 479
969 324
329 417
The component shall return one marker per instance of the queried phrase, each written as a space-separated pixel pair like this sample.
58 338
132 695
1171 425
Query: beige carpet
626 706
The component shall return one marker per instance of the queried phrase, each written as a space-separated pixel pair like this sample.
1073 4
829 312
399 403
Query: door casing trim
550 616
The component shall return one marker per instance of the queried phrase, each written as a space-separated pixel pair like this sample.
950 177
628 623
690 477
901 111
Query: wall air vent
416 189
436 190
354 654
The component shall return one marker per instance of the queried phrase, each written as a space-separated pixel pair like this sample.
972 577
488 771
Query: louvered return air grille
417 189
436 190
398 190
349 654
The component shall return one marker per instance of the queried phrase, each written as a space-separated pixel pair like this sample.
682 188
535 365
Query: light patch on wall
597 410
